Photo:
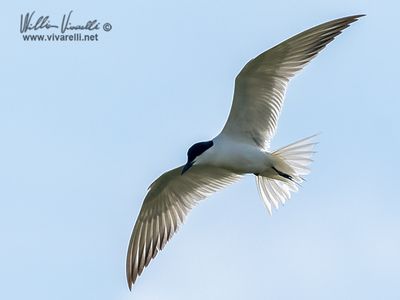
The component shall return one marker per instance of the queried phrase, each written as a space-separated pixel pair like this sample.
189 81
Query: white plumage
241 148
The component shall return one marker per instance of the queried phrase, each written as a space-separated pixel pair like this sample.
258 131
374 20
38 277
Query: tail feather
294 160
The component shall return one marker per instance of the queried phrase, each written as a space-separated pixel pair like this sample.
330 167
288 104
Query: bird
242 147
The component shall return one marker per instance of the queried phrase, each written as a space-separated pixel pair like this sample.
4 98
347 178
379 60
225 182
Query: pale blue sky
86 127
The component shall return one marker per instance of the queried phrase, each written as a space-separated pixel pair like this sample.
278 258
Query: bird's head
194 152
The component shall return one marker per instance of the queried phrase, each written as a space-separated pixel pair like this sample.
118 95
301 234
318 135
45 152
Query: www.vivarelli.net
40 28
78 37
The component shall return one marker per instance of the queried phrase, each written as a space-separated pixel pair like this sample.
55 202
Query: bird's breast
240 158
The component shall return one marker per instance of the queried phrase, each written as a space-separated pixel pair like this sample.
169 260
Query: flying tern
241 148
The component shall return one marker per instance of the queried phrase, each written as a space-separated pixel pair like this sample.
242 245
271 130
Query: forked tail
291 164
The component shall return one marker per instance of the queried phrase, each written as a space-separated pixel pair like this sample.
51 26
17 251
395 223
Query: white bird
241 148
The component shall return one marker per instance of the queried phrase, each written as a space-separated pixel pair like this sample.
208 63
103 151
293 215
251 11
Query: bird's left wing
168 201
260 86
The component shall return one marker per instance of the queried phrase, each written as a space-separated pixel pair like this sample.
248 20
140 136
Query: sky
85 127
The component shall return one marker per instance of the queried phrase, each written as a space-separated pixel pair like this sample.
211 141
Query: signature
28 22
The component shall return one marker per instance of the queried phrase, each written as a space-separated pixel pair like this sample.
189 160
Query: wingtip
129 280
355 18
350 19
128 272
130 285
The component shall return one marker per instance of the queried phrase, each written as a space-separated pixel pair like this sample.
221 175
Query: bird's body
236 156
241 148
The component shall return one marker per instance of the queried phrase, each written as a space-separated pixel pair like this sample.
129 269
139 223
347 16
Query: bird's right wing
165 207
261 85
